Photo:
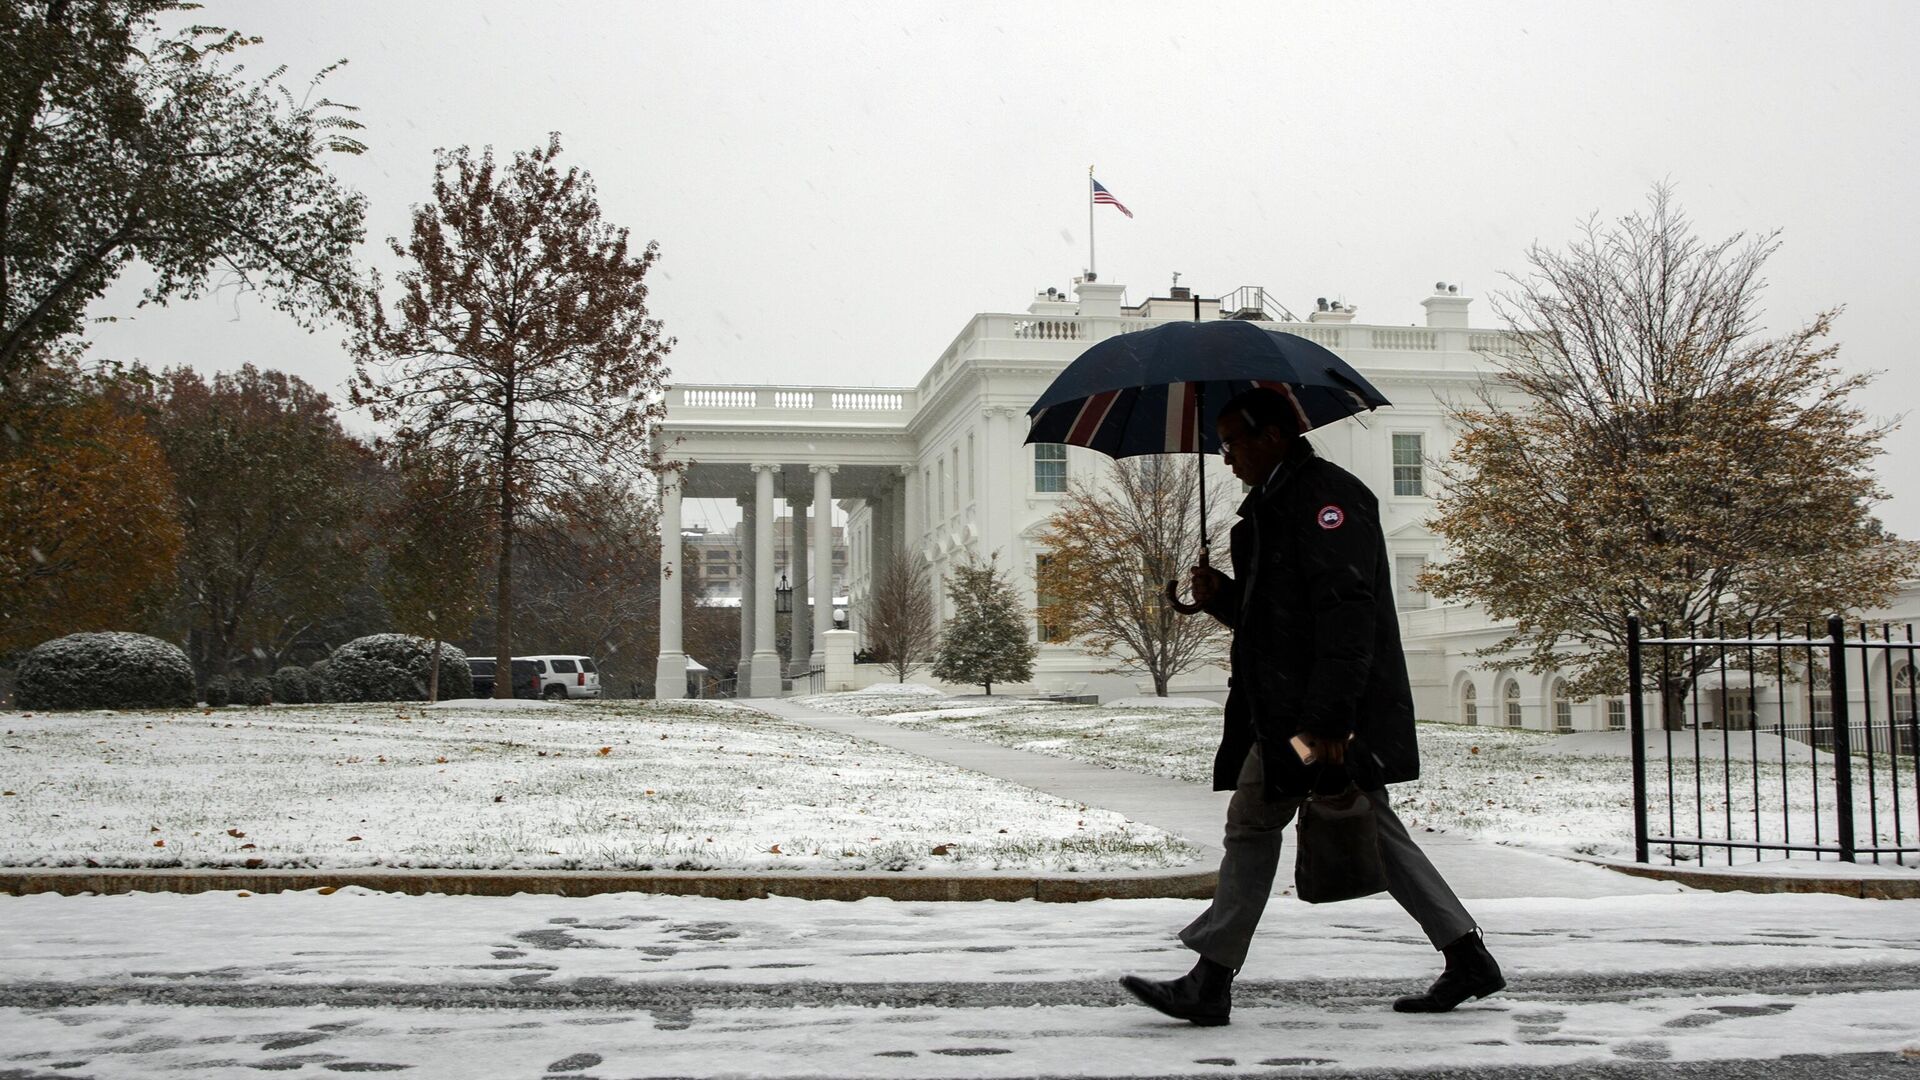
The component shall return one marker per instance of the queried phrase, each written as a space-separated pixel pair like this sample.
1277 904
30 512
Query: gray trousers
1256 825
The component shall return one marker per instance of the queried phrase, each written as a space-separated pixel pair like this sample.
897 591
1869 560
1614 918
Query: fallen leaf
649 791
235 833
246 847
327 890
439 761
254 864
1003 830
940 849
243 894
605 750
499 798
1473 750
10 793
353 838
775 850
159 843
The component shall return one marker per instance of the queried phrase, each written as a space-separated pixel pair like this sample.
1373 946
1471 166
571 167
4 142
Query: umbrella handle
1173 593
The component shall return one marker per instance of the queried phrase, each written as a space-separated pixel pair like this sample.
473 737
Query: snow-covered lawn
1559 793
603 785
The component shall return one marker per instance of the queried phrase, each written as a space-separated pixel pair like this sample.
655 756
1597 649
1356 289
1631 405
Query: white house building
939 470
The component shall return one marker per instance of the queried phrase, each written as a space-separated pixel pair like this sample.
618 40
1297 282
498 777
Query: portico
795 447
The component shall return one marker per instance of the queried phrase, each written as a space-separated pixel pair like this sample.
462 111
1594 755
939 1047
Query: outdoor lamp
783 597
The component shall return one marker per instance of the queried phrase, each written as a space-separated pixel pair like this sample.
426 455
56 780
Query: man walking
1316 654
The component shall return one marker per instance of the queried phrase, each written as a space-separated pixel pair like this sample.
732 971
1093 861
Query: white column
800 628
670 671
996 516
741 676
915 502
822 561
765 678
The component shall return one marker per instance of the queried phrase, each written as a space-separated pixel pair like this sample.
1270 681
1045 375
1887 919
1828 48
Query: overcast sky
836 188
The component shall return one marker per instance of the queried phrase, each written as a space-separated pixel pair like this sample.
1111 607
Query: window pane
565 667
1616 715
587 666
1408 461
1049 467
1407 568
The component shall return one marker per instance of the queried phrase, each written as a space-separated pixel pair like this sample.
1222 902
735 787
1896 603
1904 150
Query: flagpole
1090 269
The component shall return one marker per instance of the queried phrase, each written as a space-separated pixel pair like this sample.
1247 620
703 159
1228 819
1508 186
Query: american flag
1102 195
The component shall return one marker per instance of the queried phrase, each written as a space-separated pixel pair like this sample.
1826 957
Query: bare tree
1110 550
521 339
1662 458
902 624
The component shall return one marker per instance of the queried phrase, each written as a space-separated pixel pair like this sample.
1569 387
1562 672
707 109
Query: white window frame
1065 473
1470 704
1418 479
1562 707
1510 705
1617 709
1406 597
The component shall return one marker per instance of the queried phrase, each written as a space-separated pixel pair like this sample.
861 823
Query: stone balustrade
882 400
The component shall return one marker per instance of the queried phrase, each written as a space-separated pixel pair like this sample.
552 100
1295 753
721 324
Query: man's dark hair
1264 408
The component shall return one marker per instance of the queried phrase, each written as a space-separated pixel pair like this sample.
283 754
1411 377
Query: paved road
1475 869
217 985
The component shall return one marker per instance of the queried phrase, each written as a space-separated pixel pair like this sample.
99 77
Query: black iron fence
1773 744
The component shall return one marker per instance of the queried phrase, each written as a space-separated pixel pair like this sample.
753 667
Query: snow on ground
1556 793
625 985
492 704
607 785
1203 704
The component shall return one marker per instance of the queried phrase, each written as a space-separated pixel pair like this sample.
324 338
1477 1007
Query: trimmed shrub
394 667
317 681
256 691
105 671
218 692
290 685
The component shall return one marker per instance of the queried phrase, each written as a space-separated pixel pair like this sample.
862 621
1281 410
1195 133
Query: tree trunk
503 592
433 674
989 687
1159 685
1673 706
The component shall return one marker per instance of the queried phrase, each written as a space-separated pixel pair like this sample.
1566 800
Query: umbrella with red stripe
1159 391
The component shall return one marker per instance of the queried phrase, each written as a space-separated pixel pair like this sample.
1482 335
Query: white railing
874 400
716 398
1408 339
791 398
1049 328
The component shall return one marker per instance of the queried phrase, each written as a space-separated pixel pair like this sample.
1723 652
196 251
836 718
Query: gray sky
836 188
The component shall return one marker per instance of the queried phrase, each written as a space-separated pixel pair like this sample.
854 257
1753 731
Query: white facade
939 470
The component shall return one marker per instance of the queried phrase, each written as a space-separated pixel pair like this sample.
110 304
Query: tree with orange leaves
91 535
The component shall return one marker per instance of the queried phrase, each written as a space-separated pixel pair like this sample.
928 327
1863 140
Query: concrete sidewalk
1475 869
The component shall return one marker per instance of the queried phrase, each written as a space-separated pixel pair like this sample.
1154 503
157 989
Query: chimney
1096 296
1446 307
1331 311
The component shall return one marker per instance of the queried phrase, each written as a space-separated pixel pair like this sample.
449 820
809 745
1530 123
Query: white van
565 676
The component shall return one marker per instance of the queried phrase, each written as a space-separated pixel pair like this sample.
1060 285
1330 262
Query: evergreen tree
986 640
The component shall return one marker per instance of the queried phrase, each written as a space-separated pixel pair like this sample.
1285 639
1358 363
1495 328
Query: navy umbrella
1159 391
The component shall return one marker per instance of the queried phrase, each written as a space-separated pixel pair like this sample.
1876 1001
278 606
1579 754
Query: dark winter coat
1316 639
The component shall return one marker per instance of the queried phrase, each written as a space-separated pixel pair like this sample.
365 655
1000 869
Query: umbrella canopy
1159 391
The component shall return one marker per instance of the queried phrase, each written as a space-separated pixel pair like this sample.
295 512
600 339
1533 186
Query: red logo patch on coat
1332 517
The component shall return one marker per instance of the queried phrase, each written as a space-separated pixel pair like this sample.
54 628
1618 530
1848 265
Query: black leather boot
1471 973
1203 996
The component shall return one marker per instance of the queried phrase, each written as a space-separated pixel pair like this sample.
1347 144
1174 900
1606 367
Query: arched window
1903 704
1562 708
1513 703
1469 706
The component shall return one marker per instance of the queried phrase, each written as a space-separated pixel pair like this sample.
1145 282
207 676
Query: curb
1865 888
1185 883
